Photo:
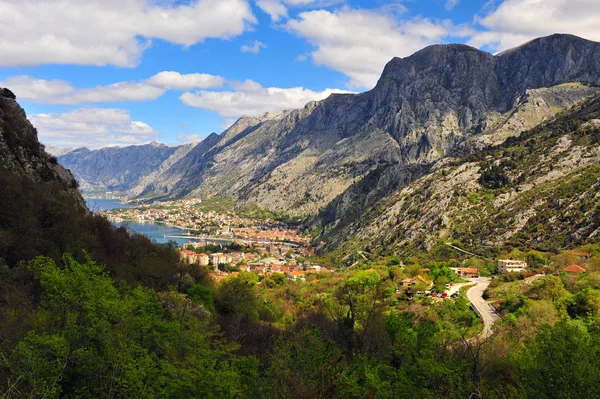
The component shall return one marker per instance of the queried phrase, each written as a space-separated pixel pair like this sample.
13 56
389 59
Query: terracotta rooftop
574 269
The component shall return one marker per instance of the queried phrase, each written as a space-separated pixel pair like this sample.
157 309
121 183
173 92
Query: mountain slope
115 168
43 213
540 190
442 100
21 153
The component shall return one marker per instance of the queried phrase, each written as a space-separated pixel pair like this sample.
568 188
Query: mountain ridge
116 168
423 108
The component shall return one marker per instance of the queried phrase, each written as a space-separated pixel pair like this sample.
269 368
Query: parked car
434 294
447 286
455 295
444 295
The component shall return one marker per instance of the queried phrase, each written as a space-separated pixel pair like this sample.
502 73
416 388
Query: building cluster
192 220
264 261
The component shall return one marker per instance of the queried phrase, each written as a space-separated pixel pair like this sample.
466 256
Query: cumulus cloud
62 92
251 99
177 81
92 127
278 9
110 32
275 9
514 22
360 42
253 47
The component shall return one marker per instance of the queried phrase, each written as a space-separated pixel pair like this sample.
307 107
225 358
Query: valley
436 236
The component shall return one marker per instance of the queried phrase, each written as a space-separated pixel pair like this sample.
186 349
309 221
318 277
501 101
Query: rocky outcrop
21 153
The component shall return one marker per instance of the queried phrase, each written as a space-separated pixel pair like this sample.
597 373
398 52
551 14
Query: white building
219 259
509 265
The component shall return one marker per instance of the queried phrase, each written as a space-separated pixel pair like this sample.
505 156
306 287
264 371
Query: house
219 258
465 272
295 276
236 257
245 268
509 265
410 282
259 268
583 254
203 259
193 258
573 269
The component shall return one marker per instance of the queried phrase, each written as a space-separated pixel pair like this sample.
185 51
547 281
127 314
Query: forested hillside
89 310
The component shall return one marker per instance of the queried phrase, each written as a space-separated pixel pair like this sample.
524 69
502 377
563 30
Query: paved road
485 311
532 279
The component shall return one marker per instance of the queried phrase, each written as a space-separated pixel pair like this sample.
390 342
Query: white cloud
177 81
450 4
275 9
360 42
251 99
189 138
30 88
62 92
110 32
513 22
92 127
253 47
278 9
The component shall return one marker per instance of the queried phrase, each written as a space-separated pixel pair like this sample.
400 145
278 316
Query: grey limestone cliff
338 155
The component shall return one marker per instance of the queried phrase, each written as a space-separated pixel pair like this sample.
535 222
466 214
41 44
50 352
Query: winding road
483 309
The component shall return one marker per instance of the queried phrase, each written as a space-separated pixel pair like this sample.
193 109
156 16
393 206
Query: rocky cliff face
339 155
21 153
116 168
543 193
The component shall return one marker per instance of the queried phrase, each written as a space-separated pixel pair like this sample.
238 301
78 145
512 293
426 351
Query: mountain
540 190
117 168
335 158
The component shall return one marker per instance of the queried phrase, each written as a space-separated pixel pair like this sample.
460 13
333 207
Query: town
228 239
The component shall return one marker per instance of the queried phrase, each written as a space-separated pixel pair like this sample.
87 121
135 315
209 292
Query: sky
101 73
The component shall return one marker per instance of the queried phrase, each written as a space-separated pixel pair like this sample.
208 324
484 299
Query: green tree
562 362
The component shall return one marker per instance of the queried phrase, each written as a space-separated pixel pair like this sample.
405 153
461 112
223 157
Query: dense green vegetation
88 310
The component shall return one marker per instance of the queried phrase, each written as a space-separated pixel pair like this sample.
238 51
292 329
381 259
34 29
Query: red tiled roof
574 269
469 270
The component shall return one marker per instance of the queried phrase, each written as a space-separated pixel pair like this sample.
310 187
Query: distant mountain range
118 169
333 160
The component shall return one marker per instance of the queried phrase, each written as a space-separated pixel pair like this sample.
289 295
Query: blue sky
118 72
